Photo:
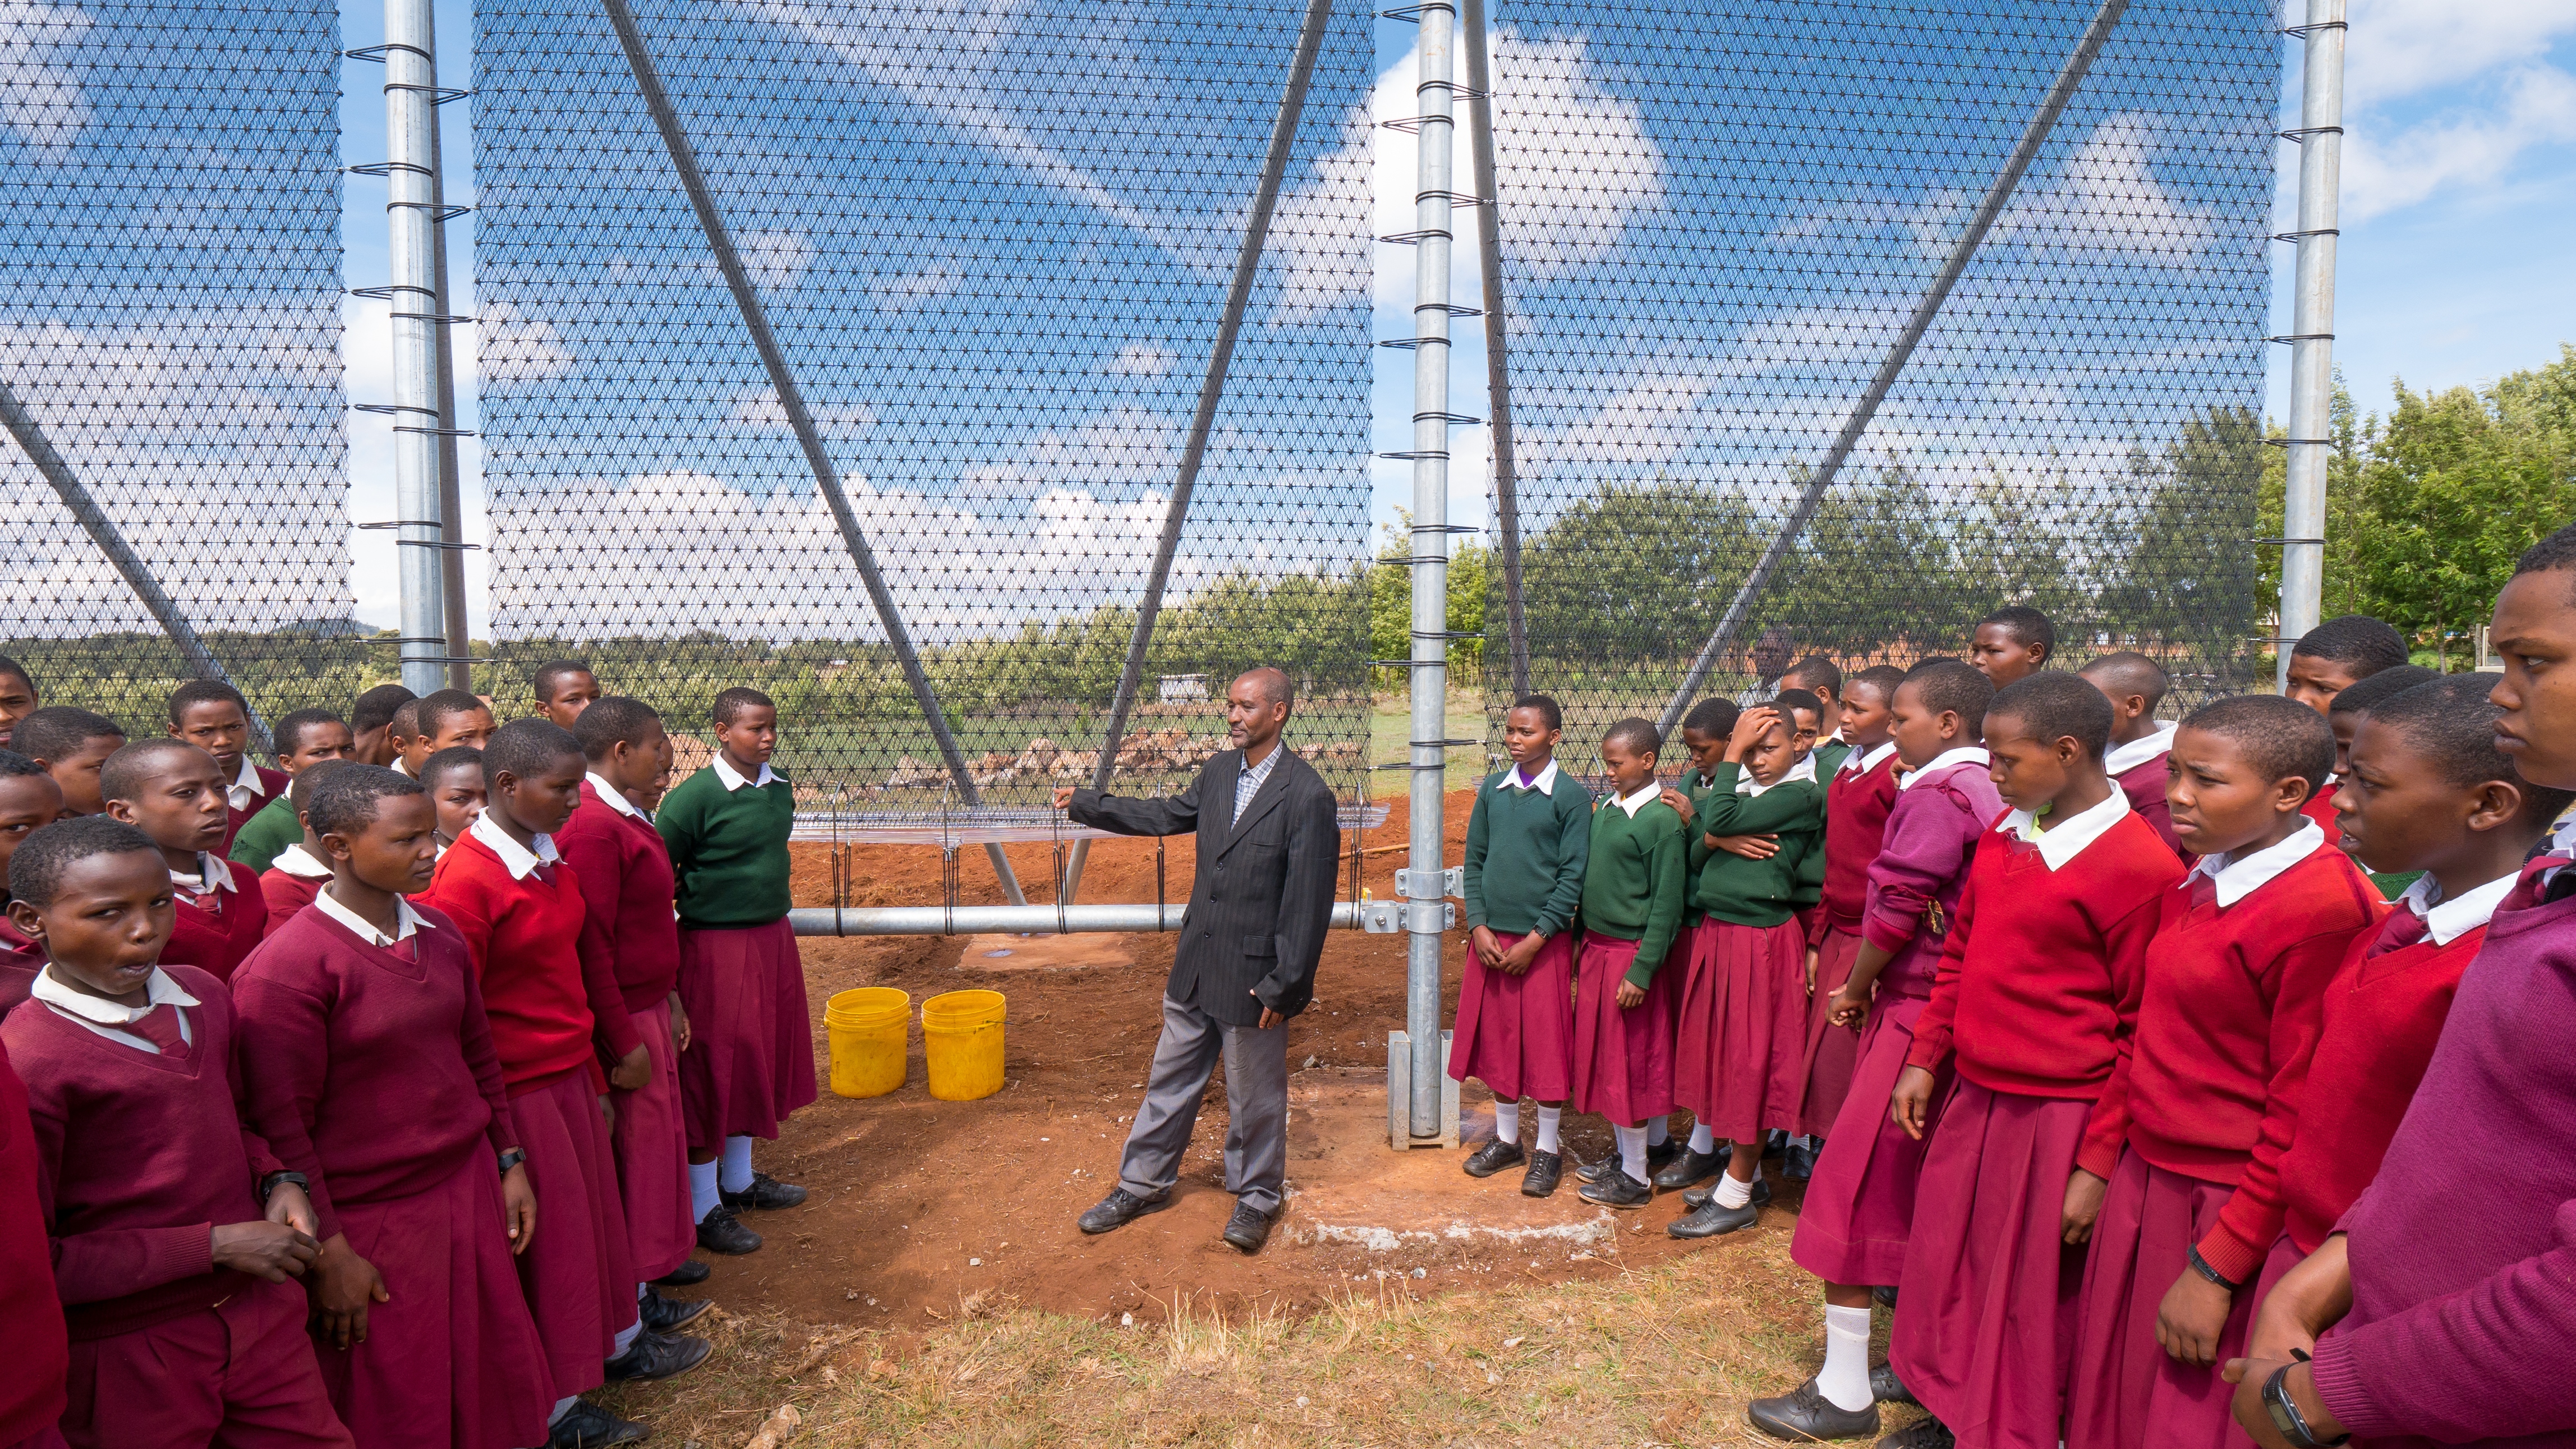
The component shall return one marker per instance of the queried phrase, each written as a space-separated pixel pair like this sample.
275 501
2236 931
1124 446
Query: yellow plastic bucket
961 1035
867 1031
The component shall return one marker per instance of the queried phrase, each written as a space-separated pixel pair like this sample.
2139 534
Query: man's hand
1911 1102
1516 961
288 1205
2084 1194
633 1070
1631 995
343 1285
2308 1300
267 1250
1269 1018
1847 1008
679 1024
2249 1375
2192 1316
1751 847
1488 947
518 1208
1063 796
1680 803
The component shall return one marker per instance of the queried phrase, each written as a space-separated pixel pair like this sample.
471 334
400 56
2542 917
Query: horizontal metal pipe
1010 920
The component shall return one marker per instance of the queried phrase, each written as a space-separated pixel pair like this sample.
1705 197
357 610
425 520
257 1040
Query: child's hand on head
1750 727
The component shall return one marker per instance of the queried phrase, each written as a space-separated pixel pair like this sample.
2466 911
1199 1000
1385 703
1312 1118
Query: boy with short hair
2012 644
1860 789
213 716
1635 876
371 720
454 779
174 792
305 737
17 700
29 801
1823 678
2344 717
563 689
175 1229
2189 1131
446 720
370 1069
2136 685
296 876
2038 986
2338 654
72 745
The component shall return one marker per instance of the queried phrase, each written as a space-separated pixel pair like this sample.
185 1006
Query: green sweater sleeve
1479 838
1787 807
1574 823
1667 873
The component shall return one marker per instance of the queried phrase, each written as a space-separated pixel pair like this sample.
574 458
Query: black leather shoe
1616 1189
1804 1415
1884 1295
658 1356
721 1232
1248 1229
661 1314
1659 1153
1597 1168
765 1195
1801 1162
1708 1220
1887 1388
1119 1209
688 1275
1924 1433
1546 1169
1701 1194
1775 1142
1493 1157
588 1426
1689 1168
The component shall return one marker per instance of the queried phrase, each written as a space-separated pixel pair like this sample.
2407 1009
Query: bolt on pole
412 213
1435 97
2303 496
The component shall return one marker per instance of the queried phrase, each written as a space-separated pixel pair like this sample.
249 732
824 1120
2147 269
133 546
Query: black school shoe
588 1426
1546 1169
765 1195
1493 1157
1691 1168
1119 1209
1801 1162
688 1275
1699 1196
1248 1229
1616 1189
1709 1220
1923 1433
1887 1388
721 1232
661 1314
658 1356
1804 1415
1657 1154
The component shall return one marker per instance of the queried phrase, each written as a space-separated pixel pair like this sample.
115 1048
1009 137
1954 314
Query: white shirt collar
1652 792
2121 759
406 920
1545 784
614 798
732 780
1746 785
246 785
1963 755
109 1018
1858 763
2065 840
401 766
517 859
2563 839
207 879
2447 921
295 860
2241 876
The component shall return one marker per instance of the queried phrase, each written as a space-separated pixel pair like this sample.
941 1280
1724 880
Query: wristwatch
512 1158
268 1184
2286 1416
2201 1266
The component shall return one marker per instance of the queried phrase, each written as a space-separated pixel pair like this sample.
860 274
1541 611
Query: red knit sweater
288 894
31 1372
629 927
2320 808
138 1158
2144 784
1856 806
215 932
524 936
2209 1084
2039 980
371 1074
20 960
272 783
2375 1034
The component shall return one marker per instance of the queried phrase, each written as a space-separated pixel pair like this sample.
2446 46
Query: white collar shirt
295 860
733 779
2121 759
105 1017
2065 840
2447 921
1648 795
2239 876
615 799
208 878
246 786
1963 755
1859 763
1545 784
517 859
406 920
1746 785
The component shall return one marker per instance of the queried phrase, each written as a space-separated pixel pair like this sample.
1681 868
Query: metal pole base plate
1399 1095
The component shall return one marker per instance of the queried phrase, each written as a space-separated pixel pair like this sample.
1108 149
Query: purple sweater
2464 1303
1923 857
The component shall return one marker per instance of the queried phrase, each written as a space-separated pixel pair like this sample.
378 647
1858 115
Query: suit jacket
1263 896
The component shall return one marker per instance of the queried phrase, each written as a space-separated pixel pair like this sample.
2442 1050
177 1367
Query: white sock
1703 1141
626 1337
562 1407
1844 1380
1548 1118
702 1189
1507 1123
1632 1151
736 1176
1658 1130
1733 1194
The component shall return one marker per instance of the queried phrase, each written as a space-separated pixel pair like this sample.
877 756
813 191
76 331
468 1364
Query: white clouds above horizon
2441 97
41 99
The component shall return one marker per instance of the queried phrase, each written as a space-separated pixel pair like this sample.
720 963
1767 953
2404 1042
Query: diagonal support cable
1498 371
782 380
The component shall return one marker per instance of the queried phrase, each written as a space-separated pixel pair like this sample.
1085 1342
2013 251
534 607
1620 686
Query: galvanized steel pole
2303 498
413 215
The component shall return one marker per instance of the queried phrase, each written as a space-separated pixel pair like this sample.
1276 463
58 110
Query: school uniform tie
2402 929
544 871
160 1026
2204 890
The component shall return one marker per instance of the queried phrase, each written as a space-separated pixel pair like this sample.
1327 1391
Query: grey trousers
1256 1101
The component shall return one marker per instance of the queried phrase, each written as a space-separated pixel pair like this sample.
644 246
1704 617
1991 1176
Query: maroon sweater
138 1158
287 893
524 939
2145 787
216 931
2209 1084
20 960
628 927
1856 807
370 1074
31 1372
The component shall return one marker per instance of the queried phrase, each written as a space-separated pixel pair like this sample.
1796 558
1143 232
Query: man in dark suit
1268 851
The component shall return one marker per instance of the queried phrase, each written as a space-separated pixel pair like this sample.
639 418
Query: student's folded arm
1933 1028
1472 869
2481 1363
2251 1222
483 1059
283 1041
1134 815
1668 894
2124 953
1908 874
1305 902
1789 808
1565 894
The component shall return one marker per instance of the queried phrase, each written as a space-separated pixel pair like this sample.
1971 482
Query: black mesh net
995 244
170 332
1715 225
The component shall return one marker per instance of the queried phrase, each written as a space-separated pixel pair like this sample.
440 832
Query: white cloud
2398 48
2388 168
2106 199
1578 166
2442 98
40 98
775 259
760 408
1142 359
518 348
909 290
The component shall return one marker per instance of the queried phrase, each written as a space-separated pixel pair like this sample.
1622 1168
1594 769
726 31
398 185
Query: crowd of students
372 1099
2142 1054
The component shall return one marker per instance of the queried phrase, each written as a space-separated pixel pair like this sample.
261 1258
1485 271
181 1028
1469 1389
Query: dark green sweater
1695 786
1525 855
265 836
1635 881
1758 892
1829 758
729 849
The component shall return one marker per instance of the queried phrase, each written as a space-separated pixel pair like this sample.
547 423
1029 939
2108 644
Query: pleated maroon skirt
1985 1323
750 1060
1515 1034
1743 1015
1623 1060
2122 1381
452 1359
1832 1051
1859 1207
578 1273
652 1143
